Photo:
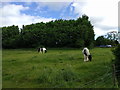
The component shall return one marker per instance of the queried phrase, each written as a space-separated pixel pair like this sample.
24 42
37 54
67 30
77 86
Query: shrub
117 62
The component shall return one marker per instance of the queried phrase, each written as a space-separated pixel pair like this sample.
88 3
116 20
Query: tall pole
119 21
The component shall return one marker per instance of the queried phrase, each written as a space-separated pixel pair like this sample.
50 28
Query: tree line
101 40
59 33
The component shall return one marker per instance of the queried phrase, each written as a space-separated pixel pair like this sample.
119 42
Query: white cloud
53 6
103 14
12 10
11 15
39 0
78 6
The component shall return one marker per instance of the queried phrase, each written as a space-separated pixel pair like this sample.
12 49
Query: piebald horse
42 50
87 55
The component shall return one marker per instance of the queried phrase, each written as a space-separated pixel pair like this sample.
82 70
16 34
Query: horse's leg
41 50
85 58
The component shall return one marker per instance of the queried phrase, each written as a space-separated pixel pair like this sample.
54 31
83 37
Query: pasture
58 68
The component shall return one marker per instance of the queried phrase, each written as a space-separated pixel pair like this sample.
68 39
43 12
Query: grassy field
58 68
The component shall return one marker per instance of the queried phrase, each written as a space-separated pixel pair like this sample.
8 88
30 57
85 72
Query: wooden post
114 77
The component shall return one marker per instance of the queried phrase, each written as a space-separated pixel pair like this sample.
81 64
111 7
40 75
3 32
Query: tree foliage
117 62
101 40
9 36
58 33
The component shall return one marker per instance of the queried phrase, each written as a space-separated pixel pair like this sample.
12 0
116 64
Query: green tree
117 62
9 36
101 40
59 33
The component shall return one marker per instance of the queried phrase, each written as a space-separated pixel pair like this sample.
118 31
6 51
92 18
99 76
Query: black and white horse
42 50
87 55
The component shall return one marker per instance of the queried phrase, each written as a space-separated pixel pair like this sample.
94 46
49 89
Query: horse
42 50
87 55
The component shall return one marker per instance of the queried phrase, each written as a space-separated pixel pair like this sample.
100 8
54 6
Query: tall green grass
58 68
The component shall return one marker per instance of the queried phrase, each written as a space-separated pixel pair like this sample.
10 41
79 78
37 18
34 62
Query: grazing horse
42 50
87 55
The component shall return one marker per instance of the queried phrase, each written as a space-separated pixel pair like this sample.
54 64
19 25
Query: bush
117 62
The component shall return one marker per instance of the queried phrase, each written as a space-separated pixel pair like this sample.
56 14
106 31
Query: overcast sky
103 14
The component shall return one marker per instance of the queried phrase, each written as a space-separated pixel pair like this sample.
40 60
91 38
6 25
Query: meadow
58 68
